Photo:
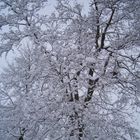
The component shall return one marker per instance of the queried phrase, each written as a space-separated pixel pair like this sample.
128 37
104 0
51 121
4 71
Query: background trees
79 79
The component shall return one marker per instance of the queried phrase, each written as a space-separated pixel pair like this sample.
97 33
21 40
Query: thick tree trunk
76 117
77 122
80 129
91 88
20 138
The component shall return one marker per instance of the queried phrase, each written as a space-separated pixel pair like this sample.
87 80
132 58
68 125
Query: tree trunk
20 138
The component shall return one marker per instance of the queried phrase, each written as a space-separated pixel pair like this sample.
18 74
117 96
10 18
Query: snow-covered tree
79 80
